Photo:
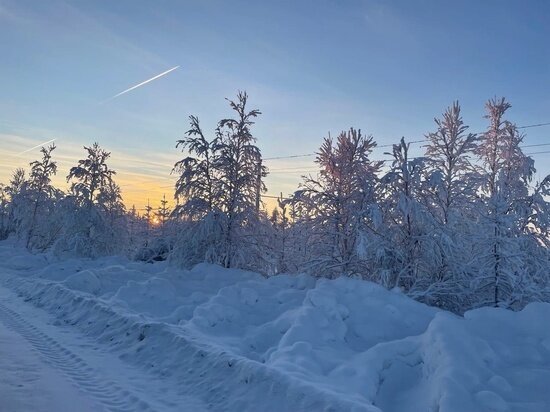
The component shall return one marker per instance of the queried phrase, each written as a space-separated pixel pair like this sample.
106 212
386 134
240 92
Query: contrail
140 84
36 147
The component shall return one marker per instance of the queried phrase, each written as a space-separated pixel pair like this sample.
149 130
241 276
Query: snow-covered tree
134 225
506 173
197 184
448 158
91 177
332 204
450 195
159 233
405 245
535 220
197 195
218 188
4 212
95 223
40 191
163 212
142 234
447 229
148 211
281 238
17 191
240 171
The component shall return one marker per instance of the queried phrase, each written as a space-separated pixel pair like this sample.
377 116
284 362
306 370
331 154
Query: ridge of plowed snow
295 342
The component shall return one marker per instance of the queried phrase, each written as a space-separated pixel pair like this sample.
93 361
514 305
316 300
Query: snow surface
27 383
238 341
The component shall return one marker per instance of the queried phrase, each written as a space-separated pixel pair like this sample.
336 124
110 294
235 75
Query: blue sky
310 66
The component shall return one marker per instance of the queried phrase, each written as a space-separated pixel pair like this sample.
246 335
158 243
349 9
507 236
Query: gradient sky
310 66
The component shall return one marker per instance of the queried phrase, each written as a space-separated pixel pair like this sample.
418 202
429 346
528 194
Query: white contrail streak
140 84
36 147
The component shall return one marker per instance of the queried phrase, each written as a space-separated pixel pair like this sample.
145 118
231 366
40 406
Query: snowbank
294 342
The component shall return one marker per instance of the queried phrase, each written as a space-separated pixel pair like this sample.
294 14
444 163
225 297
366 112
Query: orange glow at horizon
142 177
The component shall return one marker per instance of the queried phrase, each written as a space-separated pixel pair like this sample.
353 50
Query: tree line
464 225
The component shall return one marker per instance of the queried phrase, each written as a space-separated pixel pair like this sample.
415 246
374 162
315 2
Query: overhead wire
300 170
412 142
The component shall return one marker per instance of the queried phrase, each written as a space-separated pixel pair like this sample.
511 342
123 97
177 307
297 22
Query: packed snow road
27 383
120 335
49 367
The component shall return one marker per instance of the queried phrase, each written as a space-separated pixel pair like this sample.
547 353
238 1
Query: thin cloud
140 84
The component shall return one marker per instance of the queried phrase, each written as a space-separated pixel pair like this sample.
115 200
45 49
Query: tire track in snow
107 393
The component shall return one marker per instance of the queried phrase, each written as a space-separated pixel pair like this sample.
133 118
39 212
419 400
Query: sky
310 67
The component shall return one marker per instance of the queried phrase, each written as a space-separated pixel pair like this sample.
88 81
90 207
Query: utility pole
259 186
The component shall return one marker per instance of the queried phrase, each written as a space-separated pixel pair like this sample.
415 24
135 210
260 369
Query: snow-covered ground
28 383
117 335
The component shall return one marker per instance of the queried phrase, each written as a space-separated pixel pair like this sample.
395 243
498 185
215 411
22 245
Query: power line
285 169
393 144
391 160
300 170
535 145
412 142
316 170
289 157
314 154
533 125
293 170
534 153
273 197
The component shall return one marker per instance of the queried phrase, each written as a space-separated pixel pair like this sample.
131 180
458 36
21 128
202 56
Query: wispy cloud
140 178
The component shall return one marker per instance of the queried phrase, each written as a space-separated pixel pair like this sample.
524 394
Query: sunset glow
274 206
300 104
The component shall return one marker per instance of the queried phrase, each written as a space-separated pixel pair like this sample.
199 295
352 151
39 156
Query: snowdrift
244 342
